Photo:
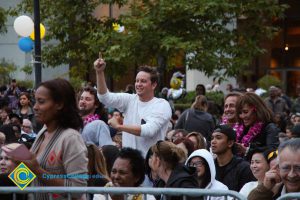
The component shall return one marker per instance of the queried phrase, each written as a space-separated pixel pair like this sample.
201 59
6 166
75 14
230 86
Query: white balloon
23 25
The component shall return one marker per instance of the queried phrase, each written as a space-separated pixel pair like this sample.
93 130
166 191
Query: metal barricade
290 196
227 194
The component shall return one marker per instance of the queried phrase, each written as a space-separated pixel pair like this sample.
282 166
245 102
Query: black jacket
235 174
6 182
181 177
195 120
267 138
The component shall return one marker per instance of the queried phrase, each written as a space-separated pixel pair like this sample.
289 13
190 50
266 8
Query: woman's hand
32 164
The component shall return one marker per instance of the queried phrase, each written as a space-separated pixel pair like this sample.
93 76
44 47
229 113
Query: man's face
297 120
26 126
273 92
229 108
13 84
289 169
86 103
143 86
220 143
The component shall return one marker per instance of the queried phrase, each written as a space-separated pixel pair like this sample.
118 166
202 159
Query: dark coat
195 120
6 182
267 138
182 177
235 174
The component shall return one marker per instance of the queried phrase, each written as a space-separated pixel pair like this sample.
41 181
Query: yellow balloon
42 32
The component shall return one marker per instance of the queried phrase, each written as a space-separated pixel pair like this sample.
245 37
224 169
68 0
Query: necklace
254 130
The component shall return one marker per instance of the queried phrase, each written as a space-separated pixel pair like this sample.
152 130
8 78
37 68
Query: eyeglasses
288 168
196 164
272 154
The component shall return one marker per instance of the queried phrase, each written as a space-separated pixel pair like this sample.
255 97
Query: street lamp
37 44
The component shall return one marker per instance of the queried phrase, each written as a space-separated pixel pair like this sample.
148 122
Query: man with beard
95 130
284 177
146 117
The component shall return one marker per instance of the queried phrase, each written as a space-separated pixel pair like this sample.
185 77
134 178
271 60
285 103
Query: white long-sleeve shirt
153 116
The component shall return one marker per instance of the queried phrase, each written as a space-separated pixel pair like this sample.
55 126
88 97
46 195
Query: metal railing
227 194
290 196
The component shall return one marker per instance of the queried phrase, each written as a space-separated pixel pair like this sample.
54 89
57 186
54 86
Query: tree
211 36
2 20
6 68
71 28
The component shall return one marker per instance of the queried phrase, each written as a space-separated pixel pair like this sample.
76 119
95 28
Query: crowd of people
134 139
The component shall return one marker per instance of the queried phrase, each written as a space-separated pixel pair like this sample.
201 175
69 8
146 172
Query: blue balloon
25 44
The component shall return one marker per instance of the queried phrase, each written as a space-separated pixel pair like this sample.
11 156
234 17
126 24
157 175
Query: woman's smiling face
248 115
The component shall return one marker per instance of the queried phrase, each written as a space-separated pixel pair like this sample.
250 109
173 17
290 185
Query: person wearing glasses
165 163
282 178
203 161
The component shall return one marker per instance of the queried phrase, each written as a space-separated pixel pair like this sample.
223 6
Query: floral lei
90 118
251 134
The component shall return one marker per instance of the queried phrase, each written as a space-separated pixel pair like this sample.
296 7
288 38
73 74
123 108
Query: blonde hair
169 153
200 103
13 146
201 141
2 137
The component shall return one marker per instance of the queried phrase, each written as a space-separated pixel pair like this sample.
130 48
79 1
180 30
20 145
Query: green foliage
25 83
77 83
3 19
217 97
266 81
6 68
210 36
187 99
27 69
215 35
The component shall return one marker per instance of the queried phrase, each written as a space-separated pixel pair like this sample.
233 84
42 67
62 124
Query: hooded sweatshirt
213 184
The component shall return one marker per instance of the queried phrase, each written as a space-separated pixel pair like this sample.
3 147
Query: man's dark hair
100 110
154 76
136 161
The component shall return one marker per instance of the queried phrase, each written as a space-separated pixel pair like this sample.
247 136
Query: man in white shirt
146 117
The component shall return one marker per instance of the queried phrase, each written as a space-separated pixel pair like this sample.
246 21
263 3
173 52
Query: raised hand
272 177
99 64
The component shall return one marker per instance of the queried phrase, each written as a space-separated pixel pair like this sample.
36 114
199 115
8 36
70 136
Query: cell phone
17 151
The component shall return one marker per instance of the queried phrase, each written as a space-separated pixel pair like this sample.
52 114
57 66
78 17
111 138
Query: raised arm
99 66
